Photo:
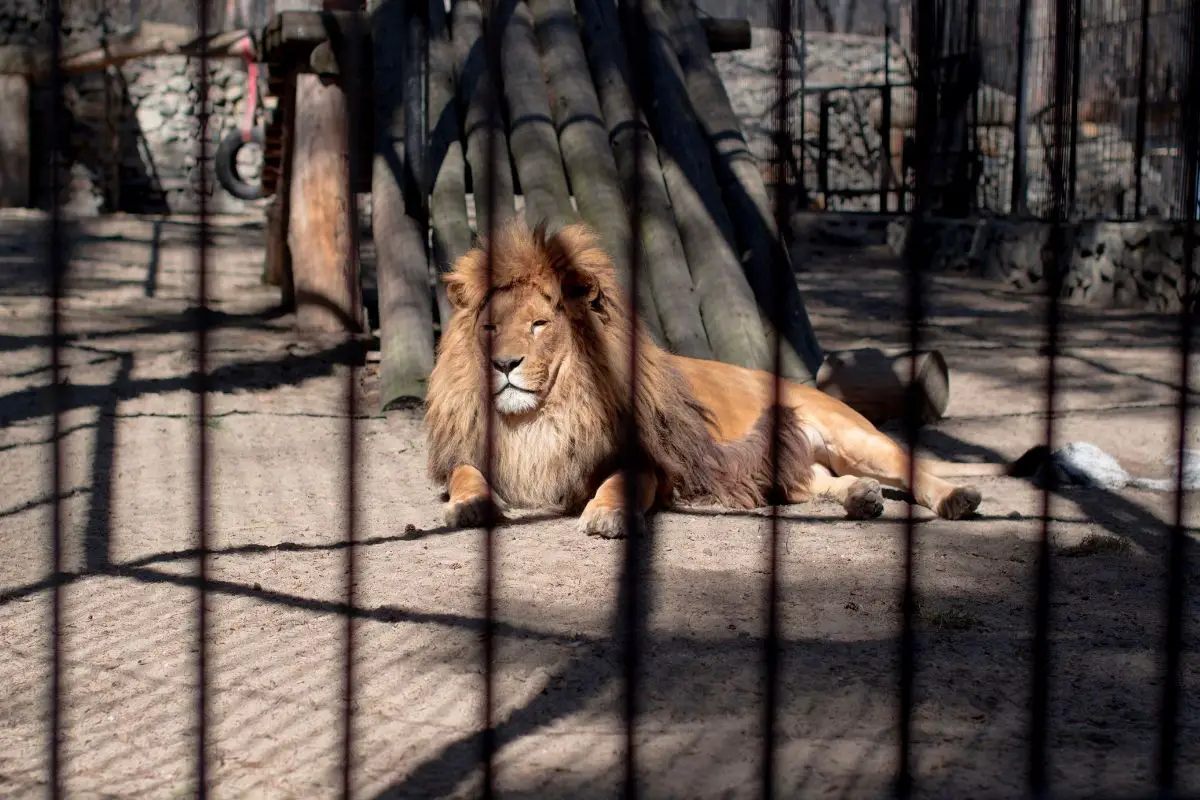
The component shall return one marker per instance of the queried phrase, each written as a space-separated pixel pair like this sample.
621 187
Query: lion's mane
574 442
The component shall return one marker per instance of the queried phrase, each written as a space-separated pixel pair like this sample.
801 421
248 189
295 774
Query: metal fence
945 45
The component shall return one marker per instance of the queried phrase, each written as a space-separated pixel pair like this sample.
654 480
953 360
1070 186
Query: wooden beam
15 153
325 270
532 138
447 164
480 100
405 299
750 209
583 138
663 260
727 304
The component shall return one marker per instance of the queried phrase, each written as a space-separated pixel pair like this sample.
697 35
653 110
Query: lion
560 329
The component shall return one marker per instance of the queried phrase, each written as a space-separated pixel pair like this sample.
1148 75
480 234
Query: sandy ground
277 602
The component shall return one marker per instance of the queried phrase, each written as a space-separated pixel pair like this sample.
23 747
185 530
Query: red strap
252 87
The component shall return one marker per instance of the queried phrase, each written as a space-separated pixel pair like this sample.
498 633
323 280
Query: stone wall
1136 265
132 137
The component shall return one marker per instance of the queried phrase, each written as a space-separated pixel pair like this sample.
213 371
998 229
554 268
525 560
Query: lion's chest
549 463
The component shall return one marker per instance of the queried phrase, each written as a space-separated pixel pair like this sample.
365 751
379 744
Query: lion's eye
489 327
538 325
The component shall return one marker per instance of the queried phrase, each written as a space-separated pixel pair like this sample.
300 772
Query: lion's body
559 333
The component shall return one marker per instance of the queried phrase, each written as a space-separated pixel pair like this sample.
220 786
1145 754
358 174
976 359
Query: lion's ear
580 286
462 282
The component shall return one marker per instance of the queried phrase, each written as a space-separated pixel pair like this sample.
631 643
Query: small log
873 383
479 95
727 305
583 137
15 189
277 270
324 267
532 137
750 208
663 260
448 168
405 303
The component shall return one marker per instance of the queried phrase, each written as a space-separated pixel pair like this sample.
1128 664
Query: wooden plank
663 259
15 189
478 94
447 164
587 155
405 300
727 304
325 270
532 138
750 208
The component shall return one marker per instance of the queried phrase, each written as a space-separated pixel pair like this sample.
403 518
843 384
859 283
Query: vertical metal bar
637 548
1019 199
492 33
1139 137
1040 702
885 112
201 390
1076 84
780 271
56 263
929 51
823 144
1176 551
350 66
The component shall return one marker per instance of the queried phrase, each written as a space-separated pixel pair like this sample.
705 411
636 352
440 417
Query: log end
873 383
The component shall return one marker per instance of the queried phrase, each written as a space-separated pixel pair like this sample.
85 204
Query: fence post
1139 141
1019 200
14 139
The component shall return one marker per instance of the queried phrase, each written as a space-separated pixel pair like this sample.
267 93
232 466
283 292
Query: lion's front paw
474 513
608 523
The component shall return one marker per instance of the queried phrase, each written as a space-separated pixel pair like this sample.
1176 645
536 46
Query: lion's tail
1024 466
744 471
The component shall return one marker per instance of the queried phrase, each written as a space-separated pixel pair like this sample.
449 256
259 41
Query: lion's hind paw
477 512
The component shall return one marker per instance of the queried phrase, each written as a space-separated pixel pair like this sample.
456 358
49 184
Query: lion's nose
507 365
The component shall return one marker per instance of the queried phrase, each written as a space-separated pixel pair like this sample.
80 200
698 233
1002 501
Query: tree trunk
663 259
587 154
532 137
727 304
762 248
405 303
447 168
324 265
479 94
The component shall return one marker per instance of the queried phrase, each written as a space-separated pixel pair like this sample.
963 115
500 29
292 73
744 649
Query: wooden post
405 296
749 207
278 268
324 269
532 137
15 156
663 258
447 166
587 154
727 305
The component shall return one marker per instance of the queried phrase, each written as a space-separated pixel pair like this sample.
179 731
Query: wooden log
277 270
15 189
873 383
447 166
663 260
479 95
324 267
405 300
583 138
750 208
532 138
727 304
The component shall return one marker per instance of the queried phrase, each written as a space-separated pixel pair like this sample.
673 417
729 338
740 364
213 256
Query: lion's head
560 332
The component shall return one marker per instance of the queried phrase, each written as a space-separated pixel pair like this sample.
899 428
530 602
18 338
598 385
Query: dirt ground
277 609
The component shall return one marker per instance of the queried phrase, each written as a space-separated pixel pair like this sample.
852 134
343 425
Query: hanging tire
225 165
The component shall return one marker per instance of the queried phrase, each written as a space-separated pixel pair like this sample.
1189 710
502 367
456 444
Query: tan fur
560 328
